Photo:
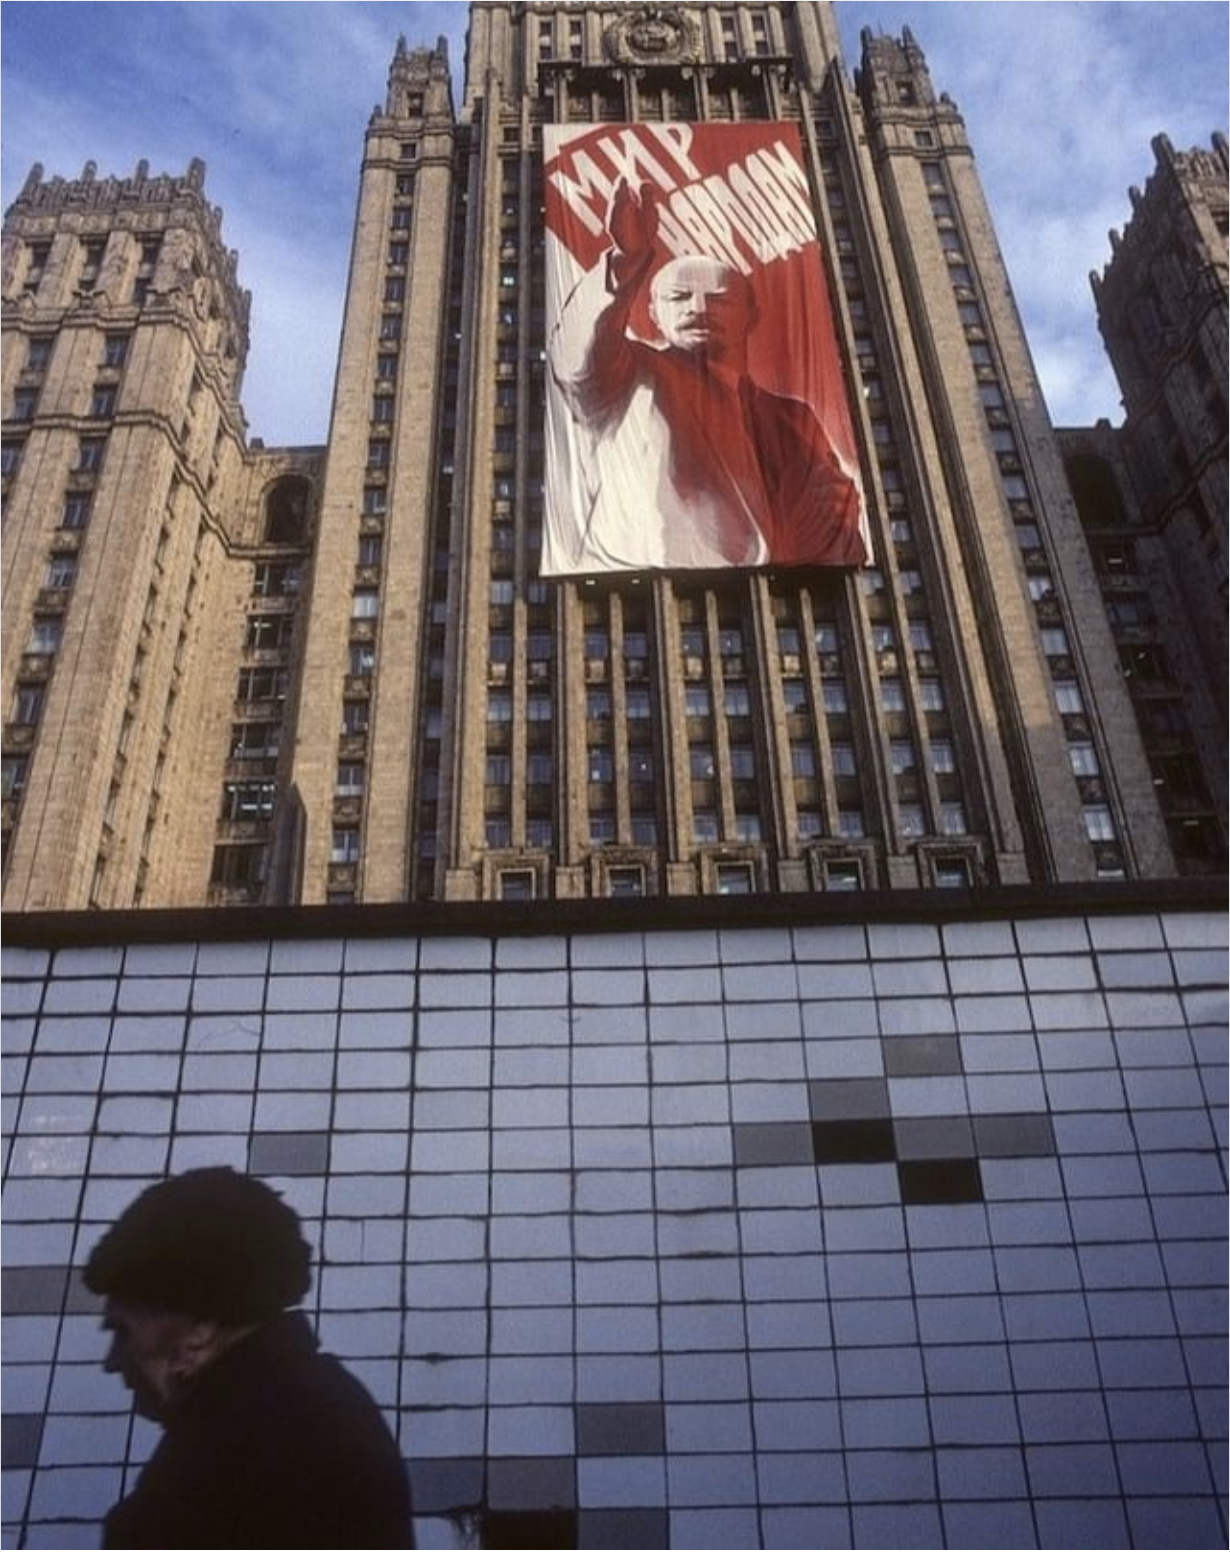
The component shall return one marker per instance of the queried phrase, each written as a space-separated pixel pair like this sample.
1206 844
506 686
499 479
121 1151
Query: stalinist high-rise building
673 841
239 674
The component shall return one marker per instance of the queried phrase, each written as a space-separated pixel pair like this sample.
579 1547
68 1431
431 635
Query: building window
539 833
61 571
742 762
701 762
351 777
952 873
262 684
269 632
254 740
90 454
747 827
601 765
794 695
102 403
365 605
362 659
44 636
943 757
843 873
835 702
27 705
903 757
735 878
345 847
248 801
25 402
1068 697
952 819
625 882
10 456
516 884
1083 759
1099 825
13 769
705 826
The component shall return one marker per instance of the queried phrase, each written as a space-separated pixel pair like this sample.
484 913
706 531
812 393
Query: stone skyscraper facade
237 674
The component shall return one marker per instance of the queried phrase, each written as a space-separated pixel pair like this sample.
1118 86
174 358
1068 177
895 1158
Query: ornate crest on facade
653 35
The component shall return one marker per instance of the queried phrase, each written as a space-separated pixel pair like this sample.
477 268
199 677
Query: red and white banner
696 415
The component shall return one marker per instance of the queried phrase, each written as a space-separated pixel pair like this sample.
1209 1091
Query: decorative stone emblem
653 35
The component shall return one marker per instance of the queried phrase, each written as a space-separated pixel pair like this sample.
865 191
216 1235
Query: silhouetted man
266 1442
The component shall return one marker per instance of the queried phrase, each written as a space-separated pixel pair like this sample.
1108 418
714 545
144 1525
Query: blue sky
1061 99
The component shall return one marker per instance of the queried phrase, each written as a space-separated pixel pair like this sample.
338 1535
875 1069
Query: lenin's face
701 305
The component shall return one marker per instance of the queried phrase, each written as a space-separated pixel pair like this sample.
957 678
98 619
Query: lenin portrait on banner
696 413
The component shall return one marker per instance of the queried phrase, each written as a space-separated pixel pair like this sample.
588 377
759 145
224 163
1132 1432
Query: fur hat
210 1243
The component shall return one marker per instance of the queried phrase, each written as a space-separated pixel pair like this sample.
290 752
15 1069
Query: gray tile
289 1153
934 1137
848 1099
33 1290
908 1056
22 1435
621 1429
531 1483
1013 1136
443 1485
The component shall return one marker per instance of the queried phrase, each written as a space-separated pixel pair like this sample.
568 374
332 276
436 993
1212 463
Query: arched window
286 511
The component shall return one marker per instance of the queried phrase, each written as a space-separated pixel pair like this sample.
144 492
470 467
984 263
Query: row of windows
90 254
1098 820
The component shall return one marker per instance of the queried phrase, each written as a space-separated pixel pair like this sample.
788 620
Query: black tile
854 1142
933 1182
623 1528
529 1528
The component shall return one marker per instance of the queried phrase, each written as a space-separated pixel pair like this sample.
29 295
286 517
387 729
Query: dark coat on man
275 1445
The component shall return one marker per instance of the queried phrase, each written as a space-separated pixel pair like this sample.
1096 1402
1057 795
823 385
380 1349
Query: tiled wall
850 1235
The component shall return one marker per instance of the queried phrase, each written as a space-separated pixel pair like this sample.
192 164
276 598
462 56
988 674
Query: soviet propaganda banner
696 414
